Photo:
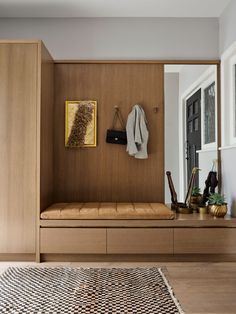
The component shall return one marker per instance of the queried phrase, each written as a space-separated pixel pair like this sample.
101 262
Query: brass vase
195 201
203 210
218 210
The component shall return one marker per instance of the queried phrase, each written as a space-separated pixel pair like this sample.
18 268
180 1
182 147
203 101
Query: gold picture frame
80 123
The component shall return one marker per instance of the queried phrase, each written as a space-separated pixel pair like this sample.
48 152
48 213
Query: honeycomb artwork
81 123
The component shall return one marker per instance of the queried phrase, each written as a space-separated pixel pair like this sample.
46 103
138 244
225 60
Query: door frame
187 149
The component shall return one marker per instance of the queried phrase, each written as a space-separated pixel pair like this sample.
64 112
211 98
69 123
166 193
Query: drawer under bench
73 240
65 240
106 240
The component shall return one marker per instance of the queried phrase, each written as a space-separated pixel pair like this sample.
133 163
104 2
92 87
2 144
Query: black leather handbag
115 136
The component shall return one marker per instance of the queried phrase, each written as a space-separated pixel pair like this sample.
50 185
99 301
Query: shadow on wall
233 207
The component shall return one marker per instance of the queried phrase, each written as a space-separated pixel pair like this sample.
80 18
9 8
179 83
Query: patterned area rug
62 290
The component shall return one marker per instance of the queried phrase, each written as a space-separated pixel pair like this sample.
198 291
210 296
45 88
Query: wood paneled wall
107 172
18 146
46 128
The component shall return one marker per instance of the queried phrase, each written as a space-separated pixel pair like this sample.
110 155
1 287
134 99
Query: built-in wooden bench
152 230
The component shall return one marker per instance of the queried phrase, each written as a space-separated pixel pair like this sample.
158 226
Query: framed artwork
81 123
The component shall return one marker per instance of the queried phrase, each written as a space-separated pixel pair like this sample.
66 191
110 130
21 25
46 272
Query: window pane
195 107
209 114
190 127
190 110
195 122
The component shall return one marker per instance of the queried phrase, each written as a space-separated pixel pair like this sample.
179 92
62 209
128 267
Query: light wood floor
200 287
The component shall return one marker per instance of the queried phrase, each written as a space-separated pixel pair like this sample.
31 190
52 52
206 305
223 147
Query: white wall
227 30
190 74
229 178
120 38
171 131
227 37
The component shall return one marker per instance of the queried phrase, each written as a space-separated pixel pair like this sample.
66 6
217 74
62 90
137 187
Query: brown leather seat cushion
107 211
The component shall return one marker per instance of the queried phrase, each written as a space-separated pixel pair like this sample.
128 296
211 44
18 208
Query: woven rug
62 290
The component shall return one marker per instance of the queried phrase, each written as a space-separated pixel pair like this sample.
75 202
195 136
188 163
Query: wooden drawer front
205 240
73 240
139 240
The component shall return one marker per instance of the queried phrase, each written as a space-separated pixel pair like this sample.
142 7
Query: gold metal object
184 210
203 210
218 210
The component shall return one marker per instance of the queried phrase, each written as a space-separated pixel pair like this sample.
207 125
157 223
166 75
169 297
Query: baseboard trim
138 258
119 257
17 257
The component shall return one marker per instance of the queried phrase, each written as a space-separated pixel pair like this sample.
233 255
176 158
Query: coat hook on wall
156 109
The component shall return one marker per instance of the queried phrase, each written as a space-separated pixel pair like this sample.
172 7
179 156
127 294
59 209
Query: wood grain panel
134 241
46 129
107 173
71 240
205 240
18 138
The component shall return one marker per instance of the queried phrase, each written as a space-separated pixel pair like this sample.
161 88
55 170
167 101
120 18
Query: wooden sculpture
174 201
183 208
190 186
210 185
175 205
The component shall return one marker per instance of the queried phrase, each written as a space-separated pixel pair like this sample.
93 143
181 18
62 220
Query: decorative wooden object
190 187
174 204
210 185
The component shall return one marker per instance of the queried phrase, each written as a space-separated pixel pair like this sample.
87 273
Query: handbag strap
118 115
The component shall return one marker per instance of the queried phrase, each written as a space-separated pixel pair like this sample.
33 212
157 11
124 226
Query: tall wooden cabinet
25 93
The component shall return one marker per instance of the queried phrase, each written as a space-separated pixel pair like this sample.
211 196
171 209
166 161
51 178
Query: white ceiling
112 8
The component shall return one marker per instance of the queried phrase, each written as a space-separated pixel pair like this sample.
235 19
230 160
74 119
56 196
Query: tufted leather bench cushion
107 211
